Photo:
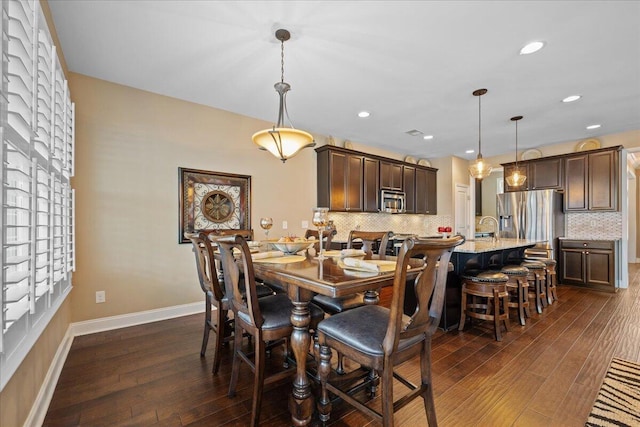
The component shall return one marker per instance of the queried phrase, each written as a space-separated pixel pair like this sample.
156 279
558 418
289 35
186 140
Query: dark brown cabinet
340 181
371 193
591 181
508 170
426 191
390 175
409 188
478 197
589 263
542 174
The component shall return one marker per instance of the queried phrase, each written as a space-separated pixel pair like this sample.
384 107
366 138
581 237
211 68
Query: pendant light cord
479 127
282 61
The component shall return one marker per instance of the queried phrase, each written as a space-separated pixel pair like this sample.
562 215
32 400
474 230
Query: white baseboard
132 319
41 404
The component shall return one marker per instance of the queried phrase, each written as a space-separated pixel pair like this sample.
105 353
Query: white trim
41 404
133 319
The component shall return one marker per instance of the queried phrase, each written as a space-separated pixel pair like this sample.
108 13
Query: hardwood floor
546 373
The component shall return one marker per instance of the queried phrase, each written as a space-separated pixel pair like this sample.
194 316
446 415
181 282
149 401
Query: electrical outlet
285 225
305 224
100 297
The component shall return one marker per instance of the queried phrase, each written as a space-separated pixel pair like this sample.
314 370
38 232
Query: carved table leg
301 402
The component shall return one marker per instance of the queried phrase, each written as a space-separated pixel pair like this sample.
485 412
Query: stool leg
463 309
521 299
496 314
505 305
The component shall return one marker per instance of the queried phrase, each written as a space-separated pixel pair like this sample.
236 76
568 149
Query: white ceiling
412 64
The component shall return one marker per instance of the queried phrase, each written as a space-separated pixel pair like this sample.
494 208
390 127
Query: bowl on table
290 248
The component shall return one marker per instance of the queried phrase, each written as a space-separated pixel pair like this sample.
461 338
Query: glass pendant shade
283 142
517 178
480 169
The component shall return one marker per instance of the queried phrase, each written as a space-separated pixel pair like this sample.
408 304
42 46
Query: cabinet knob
584 244
587 252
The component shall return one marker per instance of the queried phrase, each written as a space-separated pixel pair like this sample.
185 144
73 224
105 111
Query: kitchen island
479 254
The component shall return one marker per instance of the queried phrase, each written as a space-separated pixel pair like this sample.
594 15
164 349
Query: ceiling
413 65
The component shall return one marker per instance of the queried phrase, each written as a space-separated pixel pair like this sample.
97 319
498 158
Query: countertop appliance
392 201
533 215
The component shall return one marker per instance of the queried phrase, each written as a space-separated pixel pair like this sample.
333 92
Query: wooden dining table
304 278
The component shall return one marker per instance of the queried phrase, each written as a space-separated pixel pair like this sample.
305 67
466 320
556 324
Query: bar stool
518 288
491 288
537 282
551 278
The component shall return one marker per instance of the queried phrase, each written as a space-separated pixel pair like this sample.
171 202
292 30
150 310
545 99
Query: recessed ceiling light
427 137
364 114
593 127
531 48
572 98
469 151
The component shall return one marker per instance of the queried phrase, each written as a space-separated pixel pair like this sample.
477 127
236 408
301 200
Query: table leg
301 402
372 297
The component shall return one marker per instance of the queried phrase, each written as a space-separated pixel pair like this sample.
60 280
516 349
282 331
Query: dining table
304 275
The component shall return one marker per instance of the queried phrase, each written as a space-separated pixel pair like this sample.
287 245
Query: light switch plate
305 224
285 225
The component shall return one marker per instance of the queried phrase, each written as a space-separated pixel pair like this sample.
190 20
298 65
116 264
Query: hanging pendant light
517 178
479 169
283 142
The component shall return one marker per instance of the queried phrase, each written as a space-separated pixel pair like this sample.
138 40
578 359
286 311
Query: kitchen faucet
496 230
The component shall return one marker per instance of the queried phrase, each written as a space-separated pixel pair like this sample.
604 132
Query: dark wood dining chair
266 319
218 232
327 237
381 338
330 305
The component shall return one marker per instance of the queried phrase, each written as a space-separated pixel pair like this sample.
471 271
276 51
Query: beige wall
18 396
129 145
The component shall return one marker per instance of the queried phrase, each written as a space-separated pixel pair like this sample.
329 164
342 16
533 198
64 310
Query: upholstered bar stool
518 288
537 279
489 299
551 278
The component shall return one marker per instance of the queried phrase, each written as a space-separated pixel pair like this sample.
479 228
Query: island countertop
487 245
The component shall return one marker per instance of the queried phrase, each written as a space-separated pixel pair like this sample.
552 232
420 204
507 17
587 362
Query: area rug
618 402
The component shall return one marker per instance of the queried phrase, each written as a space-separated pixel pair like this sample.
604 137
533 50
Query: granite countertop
488 245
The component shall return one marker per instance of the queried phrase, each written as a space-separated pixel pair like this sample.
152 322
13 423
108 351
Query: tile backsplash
422 225
594 225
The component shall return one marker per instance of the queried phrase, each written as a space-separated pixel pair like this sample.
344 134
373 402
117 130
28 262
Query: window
37 254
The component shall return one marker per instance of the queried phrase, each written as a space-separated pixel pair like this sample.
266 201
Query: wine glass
266 224
321 220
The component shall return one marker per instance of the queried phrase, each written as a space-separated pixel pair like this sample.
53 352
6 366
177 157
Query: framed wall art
213 200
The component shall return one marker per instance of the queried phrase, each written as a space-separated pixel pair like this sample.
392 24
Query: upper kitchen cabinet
409 188
542 174
340 180
426 200
371 181
592 181
391 175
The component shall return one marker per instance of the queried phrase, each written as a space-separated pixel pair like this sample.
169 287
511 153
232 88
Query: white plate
424 162
532 153
410 159
588 144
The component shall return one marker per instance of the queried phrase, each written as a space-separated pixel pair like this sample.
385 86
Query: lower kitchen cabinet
588 263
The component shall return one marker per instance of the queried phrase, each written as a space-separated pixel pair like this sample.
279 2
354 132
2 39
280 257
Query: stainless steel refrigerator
533 215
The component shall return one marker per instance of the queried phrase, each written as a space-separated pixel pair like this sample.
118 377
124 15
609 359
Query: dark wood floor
546 373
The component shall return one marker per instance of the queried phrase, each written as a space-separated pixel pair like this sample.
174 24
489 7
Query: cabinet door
354 183
409 186
432 192
371 191
573 266
523 169
575 191
600 269
603 182
478 197
390 176
546 174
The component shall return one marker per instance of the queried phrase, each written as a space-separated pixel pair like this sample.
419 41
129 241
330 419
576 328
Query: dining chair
215 296
217 232
381 338
334 305
327 237
267 319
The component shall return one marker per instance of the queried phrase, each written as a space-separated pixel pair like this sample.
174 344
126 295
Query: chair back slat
369 240
429 287
219 232
241 287
205 264
327 236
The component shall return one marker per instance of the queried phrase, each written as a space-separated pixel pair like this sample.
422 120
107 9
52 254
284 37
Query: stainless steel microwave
392 201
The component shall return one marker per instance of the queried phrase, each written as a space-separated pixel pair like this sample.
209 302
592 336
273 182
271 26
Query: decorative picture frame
213 200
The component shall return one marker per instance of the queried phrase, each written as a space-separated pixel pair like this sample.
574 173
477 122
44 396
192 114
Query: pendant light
517 178
283 142
479 169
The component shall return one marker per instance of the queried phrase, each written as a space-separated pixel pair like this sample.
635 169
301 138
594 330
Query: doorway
462 218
